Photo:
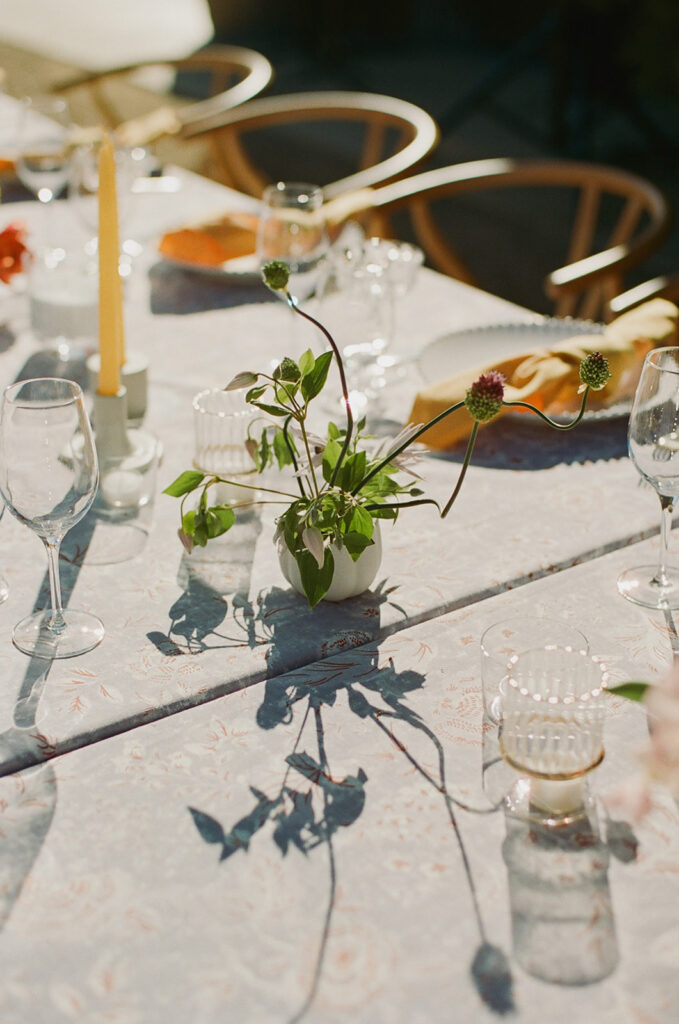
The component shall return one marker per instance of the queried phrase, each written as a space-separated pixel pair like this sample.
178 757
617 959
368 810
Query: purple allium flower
595 371
484 398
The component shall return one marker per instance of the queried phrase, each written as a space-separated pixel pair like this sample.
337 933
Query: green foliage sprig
343 489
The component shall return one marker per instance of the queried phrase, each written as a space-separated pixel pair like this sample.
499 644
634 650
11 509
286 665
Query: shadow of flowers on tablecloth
313 804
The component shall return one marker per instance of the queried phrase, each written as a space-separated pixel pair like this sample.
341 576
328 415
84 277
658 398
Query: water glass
552 727
292 228
512 636
222 422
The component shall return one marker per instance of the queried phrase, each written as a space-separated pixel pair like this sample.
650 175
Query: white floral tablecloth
322 847
181 630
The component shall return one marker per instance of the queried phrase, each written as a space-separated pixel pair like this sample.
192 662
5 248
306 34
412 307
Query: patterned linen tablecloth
324 847
182 630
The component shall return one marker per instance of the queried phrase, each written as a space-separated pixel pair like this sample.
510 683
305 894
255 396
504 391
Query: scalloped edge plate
492 343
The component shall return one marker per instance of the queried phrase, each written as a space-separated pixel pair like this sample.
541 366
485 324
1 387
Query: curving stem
661 579
56 621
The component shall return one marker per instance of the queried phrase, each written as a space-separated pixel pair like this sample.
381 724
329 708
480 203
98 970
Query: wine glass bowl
653 443
48 480
43 153
292 228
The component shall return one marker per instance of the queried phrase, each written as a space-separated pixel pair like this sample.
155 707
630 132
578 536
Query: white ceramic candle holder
133 377
127 458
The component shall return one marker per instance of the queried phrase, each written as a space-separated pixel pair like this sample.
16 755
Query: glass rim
10 394
550 620
299 188
221 413
651 357
575 698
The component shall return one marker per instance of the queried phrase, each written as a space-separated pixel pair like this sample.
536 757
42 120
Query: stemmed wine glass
48 479
43 159
653 441
292 228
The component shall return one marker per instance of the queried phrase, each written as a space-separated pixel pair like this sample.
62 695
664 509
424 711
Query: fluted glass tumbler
48 480
552 728
511 636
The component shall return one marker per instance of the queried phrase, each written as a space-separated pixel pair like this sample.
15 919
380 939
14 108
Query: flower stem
463 471
402 504
250 487
291 449
413 437
343 380
548 419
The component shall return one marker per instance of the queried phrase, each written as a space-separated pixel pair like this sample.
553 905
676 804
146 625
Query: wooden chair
144 101
666 286
395 136
637 220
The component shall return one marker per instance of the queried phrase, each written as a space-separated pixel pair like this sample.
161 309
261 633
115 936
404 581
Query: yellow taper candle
110 295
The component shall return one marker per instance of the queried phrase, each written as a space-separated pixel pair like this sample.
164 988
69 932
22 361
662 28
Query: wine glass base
81 633
638 586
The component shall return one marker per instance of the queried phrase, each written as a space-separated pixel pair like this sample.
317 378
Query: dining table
238 808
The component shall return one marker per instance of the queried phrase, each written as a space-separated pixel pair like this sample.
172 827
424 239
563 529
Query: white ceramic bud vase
349 579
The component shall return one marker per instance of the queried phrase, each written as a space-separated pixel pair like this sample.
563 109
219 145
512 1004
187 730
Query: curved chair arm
584 269
666 286
220 61
415 124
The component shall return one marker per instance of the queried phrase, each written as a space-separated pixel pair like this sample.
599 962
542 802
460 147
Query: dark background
591 79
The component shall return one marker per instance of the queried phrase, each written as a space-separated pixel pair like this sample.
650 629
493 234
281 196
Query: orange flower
12 251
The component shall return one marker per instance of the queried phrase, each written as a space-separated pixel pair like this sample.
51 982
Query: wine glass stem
52 545
667 505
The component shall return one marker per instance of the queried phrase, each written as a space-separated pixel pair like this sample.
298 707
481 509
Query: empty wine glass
292 228
48 479
371 275
43 158
653 441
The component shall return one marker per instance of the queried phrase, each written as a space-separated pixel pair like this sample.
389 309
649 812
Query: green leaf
241 380
316 582
352 471
361 522
185 483
333 431
631 690
281 449
331 454
285 391
273 410
219 519
306 362
356 543
255 393
314 381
